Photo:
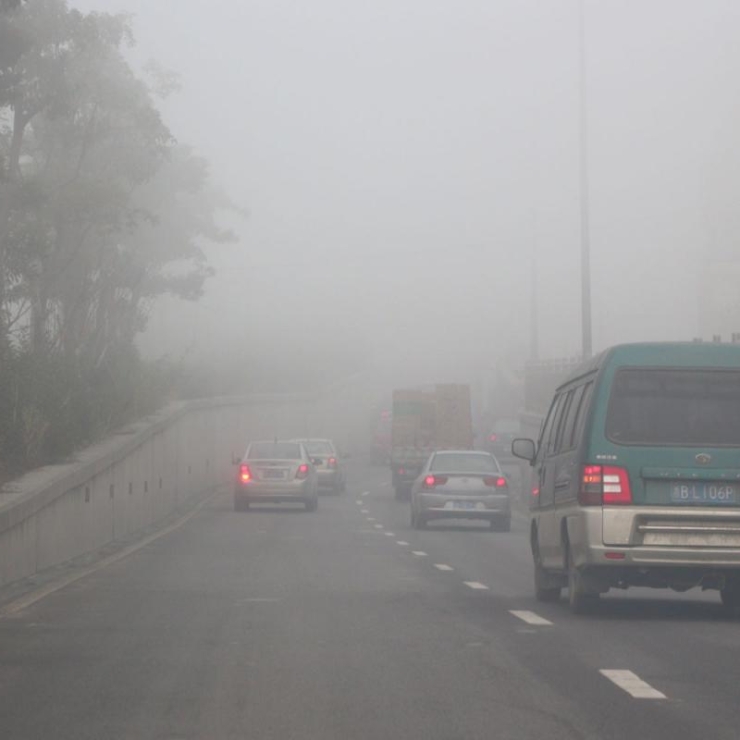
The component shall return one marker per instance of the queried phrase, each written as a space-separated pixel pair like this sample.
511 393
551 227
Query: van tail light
302 471
431 481
402 471
604 484
495 480
332 462
245 474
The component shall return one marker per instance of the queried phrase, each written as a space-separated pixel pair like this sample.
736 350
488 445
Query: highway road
346 624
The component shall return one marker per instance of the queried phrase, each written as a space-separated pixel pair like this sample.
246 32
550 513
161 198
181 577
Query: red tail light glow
401 471
605 485
332 462
245 474
302 471
493 437
497 481
434 480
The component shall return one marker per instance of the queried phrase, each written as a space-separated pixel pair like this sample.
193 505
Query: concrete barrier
138 477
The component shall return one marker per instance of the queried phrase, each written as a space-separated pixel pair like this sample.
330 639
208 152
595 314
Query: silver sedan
461 484
276 472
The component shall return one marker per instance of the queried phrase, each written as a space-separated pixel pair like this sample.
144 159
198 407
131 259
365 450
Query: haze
405 164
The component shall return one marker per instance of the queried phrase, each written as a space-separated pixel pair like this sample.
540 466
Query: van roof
661 354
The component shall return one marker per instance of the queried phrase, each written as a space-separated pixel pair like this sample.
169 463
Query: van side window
542 449
582 412
552 432
566 441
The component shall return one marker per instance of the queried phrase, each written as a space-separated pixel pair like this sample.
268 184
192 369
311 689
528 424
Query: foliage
101 213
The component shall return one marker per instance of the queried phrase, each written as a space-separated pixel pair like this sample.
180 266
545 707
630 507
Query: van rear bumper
608 556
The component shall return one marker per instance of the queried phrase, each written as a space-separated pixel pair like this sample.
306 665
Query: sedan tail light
245 474
432 481
302 471
495 480
332 462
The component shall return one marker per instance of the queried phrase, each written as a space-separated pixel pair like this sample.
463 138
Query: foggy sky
406 162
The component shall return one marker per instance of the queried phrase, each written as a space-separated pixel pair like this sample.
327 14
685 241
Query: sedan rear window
450 462
698 408
274 451
318 447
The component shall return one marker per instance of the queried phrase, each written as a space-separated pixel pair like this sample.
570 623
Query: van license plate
703 493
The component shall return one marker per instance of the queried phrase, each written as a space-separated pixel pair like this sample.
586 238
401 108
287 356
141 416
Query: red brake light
535 491
493 437
245 474
401 471
497 481
604 485
435 480
332 462
302 471
617 488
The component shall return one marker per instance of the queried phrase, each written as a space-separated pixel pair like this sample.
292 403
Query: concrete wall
128 483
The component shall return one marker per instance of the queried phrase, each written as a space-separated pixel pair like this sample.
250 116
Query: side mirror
524 448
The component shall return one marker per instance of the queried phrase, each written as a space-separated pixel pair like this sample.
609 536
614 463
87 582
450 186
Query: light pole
586 344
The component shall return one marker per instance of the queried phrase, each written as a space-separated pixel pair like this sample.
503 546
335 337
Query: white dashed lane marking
379 526
442 566
530 617
372 519
476 586
419 553
632 684
366 493
389 534
403 543
359 502
364 511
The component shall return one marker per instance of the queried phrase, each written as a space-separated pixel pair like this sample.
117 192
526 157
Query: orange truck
424 421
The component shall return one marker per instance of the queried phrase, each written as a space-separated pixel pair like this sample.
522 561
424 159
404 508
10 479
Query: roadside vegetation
102 212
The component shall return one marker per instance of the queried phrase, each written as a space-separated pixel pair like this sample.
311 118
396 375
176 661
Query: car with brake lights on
329 465
637 474
276 472
461 484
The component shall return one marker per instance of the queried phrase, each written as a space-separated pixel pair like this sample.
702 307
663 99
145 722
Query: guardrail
137 477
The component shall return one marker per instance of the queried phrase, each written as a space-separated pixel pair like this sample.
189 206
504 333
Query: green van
637 474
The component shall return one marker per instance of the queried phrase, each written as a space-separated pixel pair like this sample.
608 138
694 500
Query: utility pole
586 343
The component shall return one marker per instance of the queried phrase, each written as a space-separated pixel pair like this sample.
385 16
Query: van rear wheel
581 601
545 589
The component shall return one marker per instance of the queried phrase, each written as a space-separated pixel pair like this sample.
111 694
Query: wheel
418 520
730 594
240 504
500 524
398 491
579 599
544 590
312 504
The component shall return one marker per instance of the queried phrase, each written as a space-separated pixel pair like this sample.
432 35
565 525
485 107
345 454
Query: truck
424 421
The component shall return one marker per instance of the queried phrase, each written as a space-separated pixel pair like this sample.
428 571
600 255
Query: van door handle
562 483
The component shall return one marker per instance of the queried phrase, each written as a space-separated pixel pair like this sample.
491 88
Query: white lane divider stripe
632 684
476 586
419 553
442 566
379 526
530 617
366 493
372 519
389 534
359 502
403 543
364 511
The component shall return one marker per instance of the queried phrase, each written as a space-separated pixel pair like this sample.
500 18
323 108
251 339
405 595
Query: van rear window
675 407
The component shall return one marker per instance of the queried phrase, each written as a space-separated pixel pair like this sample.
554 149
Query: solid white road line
403 543
476 586
419 553
530 617
632 684
442 566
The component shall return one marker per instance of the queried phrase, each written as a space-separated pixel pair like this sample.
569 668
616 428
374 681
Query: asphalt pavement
347 624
